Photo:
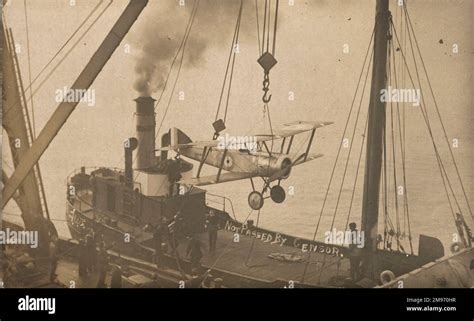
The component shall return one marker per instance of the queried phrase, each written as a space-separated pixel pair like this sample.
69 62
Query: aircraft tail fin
174 139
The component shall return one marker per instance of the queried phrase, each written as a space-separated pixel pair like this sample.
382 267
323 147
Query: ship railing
92 208
90 169
221 201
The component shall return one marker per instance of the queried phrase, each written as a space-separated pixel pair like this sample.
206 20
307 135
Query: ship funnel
145 122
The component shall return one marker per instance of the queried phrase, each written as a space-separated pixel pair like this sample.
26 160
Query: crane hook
266 84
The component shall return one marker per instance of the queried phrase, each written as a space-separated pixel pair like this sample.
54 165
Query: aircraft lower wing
207 180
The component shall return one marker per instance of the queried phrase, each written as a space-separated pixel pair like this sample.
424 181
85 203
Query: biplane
241 161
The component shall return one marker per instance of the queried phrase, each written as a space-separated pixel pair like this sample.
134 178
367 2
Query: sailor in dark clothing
354 255
212 223
194 251
103 264
174 174
53 258
91 252
82 258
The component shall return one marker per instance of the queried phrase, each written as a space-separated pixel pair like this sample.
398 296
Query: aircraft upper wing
293 128
287 130
212 179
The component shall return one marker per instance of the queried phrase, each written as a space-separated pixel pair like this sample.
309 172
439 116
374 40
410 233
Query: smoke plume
163 31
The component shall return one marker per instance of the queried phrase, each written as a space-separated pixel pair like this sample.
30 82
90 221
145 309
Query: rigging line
394 163
357 171
403 152
438 112
395 191
175 58
426 119
231 51
59 63
384 178
258 28
233 60
275 27
339 149
65 56
231 241
183 43
66 43
29 70
424 112
179 68
166 80
351 145
252 245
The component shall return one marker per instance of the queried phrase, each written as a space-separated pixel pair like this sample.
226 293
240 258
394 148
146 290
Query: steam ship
124 206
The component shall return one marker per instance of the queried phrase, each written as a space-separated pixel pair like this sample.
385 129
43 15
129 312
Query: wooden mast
376 125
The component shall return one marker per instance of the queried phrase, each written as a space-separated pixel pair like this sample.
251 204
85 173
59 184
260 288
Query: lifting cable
267 60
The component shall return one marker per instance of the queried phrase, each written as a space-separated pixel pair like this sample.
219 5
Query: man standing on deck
91 252
82 258
212 223
53 258
195 252
354 255
103 264
174 174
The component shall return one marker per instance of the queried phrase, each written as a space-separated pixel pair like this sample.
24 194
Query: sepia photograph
171 145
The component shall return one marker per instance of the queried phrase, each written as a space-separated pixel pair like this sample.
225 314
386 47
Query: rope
48 76
66 43
233 60
403 152
29 68
394 164
426 119
185 39
438 112
339 151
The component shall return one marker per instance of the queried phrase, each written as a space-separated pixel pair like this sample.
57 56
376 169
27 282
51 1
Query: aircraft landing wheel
255 200
277 193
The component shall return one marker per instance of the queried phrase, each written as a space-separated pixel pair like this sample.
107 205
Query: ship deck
248 262
249 257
